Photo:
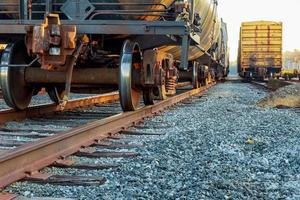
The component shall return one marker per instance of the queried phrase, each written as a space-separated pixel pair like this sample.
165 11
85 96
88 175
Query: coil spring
171 84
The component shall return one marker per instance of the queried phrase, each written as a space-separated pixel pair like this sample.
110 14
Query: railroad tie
99 154
65 180
68 164
26 135
139 133
11 143
116 146
153 127
115 137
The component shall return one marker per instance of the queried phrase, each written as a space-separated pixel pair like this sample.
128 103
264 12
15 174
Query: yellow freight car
288 74
260 49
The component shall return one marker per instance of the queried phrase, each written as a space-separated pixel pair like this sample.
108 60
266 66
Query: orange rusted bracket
51 42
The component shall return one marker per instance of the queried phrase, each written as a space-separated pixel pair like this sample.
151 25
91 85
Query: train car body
260 49
99 45
289 74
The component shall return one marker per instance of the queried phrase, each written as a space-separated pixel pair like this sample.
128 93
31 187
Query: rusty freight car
94 46
260 49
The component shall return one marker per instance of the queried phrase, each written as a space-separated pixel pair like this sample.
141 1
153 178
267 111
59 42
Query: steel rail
260 84
25 160
46 109
264 84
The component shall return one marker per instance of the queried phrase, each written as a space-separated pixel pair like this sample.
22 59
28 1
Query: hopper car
143 48
260 50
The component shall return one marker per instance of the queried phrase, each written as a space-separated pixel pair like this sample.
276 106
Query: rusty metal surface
35 156
41 110
52 42
80 76
183 84
7 196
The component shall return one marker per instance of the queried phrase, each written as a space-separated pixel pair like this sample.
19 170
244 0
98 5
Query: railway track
49 147
7 115
264 84
48 109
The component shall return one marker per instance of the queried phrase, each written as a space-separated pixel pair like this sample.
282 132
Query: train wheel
286 77
195 80
16 93
130 69
56 94
148 96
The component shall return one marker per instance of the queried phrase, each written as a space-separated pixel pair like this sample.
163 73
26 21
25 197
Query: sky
236 11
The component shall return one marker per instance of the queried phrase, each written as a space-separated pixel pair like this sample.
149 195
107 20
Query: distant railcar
260 49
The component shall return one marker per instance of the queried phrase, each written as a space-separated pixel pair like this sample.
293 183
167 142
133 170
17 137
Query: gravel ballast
220 146
288 96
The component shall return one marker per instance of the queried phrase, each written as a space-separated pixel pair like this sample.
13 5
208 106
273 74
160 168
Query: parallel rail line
25 161
260 84
264 84
46 109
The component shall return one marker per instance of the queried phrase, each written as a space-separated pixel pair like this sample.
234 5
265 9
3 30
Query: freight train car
289 74
260 49
95 46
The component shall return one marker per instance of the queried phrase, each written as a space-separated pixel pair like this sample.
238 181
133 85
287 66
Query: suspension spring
171 84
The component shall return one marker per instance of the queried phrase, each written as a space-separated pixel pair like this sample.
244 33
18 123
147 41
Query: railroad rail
265 84
46 109
44 152
260 84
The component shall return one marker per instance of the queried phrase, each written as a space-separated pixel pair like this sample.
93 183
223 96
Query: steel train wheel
16 93
148 96
195 80
56 94
130 66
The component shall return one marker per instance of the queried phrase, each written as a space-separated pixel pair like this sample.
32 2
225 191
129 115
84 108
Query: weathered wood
115 146
115 137
2 151
86 166
64 162
10 130
139 133
38 176
27 135
153 127
11 143
69 180
99 154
